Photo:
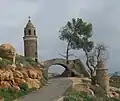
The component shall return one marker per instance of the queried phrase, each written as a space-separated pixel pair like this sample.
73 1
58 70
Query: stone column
102 76
14 57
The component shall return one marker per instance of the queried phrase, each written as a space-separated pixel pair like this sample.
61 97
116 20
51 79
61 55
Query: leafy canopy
77 34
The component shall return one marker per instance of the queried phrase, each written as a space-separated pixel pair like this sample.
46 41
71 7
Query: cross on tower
29 17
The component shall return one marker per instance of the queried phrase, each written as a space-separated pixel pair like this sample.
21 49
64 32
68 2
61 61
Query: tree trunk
93 80
93 77
67 56
67 53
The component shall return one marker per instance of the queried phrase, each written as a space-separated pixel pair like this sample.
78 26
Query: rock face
14 77
6 51
9 78
83 88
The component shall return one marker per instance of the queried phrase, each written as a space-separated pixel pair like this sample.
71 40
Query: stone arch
76 69
56 70
58 61
63 65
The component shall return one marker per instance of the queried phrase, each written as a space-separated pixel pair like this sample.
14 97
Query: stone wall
102 76
30 48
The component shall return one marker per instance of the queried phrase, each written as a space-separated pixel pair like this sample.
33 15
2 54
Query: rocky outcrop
7 51
14 78
22 71
84 88
33 83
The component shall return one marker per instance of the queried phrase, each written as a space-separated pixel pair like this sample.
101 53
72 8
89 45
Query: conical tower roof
29 24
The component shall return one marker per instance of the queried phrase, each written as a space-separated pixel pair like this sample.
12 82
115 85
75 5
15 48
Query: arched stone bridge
75 66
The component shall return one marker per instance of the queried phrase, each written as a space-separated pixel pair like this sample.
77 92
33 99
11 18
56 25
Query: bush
77 96
21 93
10 94
81 96
22 59
31 61
5 62
24 87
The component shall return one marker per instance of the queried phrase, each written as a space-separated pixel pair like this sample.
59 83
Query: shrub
24 87
77 96
31 61
10 94
81 96
21 59
21 93
5 62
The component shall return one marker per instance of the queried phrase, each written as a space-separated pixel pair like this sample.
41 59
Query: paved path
53 91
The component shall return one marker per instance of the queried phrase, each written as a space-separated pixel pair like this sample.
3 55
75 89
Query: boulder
32 74
84 88
19 81
6 75
4 84
33 83
25 74
1 71
6 51
18 74
35 73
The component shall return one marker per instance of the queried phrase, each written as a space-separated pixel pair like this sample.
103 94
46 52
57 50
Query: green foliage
24 87
77 34
99 91
31 61
26 61
22 59
10 94
77 96
21 93
5 62
81 96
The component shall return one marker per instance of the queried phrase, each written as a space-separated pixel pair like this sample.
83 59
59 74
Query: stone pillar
102 76
14 57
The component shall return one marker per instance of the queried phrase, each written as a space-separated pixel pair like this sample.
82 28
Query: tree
77 33
98 53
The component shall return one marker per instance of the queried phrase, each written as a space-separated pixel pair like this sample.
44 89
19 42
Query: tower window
29 32
34 32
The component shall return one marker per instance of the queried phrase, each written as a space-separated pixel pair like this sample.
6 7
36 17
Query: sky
49 16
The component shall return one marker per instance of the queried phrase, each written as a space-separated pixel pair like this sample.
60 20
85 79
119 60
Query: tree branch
87 63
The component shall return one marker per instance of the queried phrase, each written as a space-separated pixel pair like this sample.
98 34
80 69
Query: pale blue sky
49 15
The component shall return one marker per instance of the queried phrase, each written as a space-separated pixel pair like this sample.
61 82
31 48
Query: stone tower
102 76
30 41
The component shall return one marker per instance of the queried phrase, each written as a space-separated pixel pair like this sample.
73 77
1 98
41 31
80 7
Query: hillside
18 74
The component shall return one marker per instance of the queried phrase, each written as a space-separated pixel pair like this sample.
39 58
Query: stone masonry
102 76
30 41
